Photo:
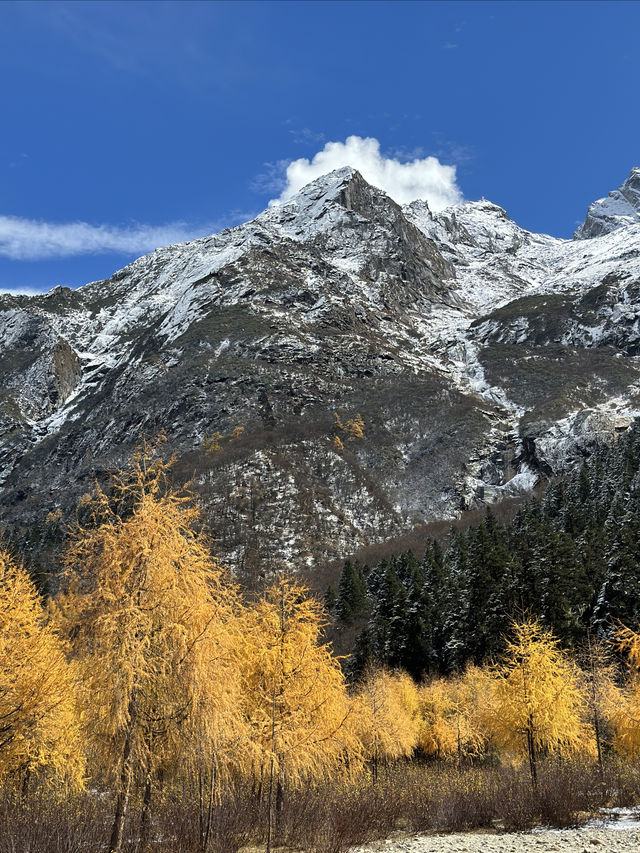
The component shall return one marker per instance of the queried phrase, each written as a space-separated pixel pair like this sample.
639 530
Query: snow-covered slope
481 357
619 209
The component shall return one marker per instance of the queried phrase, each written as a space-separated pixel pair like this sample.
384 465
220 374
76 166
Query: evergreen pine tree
352 594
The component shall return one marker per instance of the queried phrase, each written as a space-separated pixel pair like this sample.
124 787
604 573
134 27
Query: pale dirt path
591 840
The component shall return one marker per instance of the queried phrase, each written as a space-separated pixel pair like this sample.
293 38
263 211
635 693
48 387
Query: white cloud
20 291
421 178
29 239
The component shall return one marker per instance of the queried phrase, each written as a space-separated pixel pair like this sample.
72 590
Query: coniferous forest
570 558
147 702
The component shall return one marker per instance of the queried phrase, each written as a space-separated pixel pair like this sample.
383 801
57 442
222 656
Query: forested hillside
570 558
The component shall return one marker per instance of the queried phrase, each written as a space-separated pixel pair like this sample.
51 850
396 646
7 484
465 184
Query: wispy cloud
20 291
305 136
272 179
402 178
29 239
448 149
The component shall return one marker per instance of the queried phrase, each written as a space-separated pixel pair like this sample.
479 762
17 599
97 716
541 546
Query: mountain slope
620 208
479 355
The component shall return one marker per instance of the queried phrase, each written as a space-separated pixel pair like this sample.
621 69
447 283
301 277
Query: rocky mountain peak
619 209
331 201
479 355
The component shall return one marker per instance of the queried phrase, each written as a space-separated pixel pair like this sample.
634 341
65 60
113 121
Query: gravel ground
618 833
569 841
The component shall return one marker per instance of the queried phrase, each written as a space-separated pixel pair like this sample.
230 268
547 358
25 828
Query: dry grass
411 797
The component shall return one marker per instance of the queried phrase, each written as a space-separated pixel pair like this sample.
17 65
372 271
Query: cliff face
480 357
620 208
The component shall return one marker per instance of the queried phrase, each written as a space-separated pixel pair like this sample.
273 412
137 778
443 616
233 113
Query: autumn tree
537 700
295 697
148 614
38 715
601 692
211 443
450 723
354 427
387 709
625 715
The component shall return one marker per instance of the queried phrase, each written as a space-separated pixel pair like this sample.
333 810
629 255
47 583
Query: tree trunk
201 807
279 794
596 728
24 792
126 774
533 764
212 789
122 802
145 816
270 805
594 702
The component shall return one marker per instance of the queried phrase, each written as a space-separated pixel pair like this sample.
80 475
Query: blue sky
134 123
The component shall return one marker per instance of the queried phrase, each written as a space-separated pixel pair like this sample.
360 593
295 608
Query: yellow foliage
624 715
38 715
153 623
237 434
54 517
604 697
451 724
337 443
537 702
354 427
211 443
295 697
388 715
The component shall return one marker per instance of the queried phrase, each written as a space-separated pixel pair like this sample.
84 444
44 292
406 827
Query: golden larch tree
295 697
38 714
625 714
604 697
388 714
354 427
451 725
537 702
149 615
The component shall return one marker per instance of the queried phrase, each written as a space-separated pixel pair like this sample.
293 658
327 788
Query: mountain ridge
481 357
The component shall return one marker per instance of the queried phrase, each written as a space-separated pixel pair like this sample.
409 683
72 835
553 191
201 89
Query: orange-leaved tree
625 715
604 697
537 703
295 697
388 716
39 727
151 620
451 726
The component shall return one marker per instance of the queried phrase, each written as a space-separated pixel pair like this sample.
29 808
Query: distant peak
326 200
619 209
335 186
326 186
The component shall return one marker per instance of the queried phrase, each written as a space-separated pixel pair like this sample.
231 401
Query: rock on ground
590 840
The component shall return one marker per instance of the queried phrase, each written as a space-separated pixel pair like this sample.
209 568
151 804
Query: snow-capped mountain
480 356
621 207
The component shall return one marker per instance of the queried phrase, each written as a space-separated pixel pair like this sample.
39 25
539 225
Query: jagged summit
620 208
327 202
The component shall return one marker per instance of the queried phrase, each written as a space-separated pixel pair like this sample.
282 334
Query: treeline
148 679
570 559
